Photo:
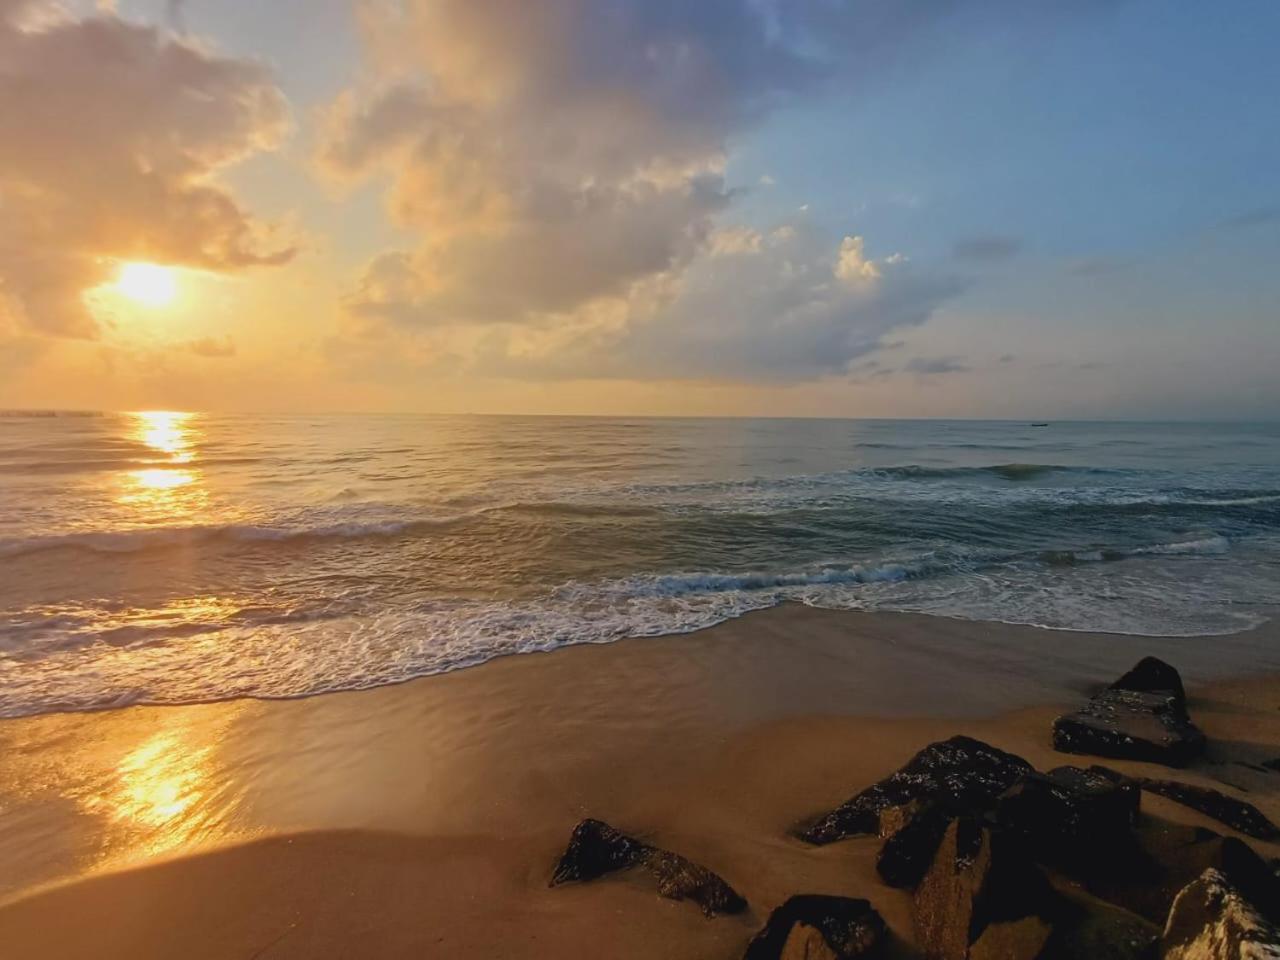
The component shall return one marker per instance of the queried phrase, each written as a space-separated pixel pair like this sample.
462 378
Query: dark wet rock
983 898
1272 764
1099 931
907 853
1131 725
816 927
1214 919
1236 814
1152 675
1165 857
1070 816
595 848
962 774
682 879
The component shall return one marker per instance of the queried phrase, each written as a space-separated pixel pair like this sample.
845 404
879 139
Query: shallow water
164 557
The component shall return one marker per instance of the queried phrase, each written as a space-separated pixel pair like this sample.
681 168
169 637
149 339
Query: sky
855 208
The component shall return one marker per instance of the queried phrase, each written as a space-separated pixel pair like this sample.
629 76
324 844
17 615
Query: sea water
167 557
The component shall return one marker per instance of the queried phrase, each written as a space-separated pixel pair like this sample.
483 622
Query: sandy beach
424 819
617 479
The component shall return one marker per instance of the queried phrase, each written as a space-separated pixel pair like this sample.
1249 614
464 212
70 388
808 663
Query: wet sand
423 819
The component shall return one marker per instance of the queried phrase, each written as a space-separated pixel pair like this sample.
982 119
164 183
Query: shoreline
1270 621
464 786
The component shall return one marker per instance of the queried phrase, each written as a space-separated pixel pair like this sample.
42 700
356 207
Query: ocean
166 557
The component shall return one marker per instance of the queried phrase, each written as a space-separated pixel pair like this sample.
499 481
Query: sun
148 283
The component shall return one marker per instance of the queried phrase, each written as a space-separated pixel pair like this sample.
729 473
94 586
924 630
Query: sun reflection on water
166 431
162 479
171 488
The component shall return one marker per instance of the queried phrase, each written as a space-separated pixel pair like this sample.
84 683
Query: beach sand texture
424 819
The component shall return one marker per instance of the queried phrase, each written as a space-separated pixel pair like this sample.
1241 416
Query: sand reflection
160 780
167 791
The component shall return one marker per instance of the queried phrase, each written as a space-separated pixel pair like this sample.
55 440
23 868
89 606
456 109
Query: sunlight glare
169 487
165 431
162 479
149 284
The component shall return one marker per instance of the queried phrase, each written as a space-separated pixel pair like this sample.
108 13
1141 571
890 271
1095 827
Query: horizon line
56 412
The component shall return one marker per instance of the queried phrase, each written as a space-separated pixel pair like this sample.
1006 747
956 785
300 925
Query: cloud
549 153
212 347
784 305
17 348
852 266
931 366
563 164
986 249
579 246
110 136
795 310
731 241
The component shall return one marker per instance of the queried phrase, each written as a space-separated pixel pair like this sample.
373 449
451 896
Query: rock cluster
977 834
959 775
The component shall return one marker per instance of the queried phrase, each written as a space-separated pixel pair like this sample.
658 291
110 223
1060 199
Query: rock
682 879
1070 816
1236 814
982 898
907 853
1099 931
1131 725
816 927
1272 764
962 774
1212 919
595 848
1167 857
1151 675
